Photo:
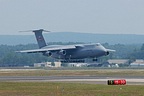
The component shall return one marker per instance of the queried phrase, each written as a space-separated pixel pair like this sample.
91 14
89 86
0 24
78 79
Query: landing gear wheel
95 59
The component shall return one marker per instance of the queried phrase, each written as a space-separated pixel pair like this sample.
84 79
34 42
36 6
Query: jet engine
63 52
48 53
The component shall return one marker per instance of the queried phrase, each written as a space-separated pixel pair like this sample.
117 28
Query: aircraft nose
107 52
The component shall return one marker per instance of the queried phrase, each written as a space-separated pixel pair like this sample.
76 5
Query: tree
142 47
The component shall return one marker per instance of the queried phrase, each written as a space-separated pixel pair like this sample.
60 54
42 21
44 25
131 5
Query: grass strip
100 72
67 89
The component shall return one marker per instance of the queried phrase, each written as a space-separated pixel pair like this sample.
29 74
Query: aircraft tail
39 37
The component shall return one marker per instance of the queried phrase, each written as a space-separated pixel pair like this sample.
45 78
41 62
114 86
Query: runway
131 80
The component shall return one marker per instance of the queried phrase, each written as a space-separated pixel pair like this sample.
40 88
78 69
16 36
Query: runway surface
131 80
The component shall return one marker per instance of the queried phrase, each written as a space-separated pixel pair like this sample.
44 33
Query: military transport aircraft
67 52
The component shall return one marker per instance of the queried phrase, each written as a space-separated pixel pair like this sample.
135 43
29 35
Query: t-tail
39 37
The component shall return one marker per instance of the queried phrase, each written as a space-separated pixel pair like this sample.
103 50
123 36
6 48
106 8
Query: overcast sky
89 16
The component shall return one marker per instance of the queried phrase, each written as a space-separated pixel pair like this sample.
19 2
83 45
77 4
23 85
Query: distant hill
74 37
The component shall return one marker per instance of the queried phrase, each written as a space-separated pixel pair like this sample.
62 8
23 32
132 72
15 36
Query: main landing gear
95 59
73 61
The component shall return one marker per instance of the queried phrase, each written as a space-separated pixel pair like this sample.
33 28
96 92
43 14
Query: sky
86 16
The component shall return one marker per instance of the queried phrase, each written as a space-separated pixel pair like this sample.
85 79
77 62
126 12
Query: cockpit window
97 44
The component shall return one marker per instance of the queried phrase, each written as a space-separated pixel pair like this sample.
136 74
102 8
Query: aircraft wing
48 49
110 50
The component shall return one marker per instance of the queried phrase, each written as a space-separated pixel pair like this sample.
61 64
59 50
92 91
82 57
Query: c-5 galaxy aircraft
67 52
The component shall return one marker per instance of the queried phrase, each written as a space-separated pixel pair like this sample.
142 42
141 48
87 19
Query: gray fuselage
81 52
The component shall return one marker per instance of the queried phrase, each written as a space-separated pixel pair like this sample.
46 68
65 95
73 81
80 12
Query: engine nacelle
63 52
48 53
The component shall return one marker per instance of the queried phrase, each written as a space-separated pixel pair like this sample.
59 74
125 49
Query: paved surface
131 80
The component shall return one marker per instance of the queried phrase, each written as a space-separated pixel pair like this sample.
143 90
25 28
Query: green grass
98 72
67 89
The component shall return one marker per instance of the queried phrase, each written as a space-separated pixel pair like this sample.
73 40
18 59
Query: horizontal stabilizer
40 30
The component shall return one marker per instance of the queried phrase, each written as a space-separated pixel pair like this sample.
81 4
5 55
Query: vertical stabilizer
39 37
